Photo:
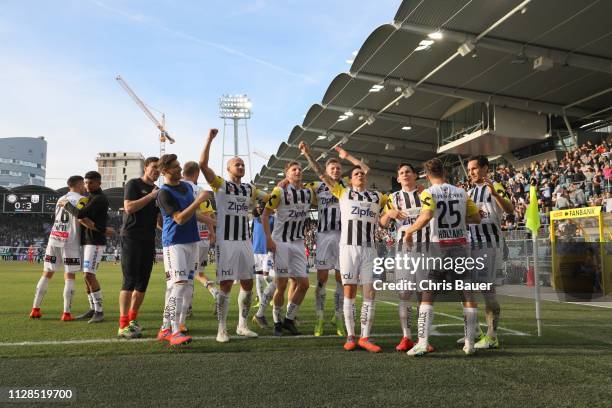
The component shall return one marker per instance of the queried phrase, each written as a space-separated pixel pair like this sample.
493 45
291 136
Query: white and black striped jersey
234 204
292 206
488 232
409 203
359 211
66 229
328 206
450 206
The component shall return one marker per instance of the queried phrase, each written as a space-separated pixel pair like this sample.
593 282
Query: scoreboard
28 203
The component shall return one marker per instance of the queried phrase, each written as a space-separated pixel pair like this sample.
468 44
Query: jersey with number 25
450 205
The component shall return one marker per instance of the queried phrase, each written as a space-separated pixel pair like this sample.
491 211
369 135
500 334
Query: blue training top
173 233
259 236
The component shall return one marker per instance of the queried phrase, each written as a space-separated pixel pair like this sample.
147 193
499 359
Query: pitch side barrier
581 249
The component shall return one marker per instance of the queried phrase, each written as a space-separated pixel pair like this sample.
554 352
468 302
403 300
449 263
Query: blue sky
60 58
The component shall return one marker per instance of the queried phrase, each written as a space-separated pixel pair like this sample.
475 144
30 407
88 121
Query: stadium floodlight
406 127
426 43
349 113
376 88
235 107
321 137
437 35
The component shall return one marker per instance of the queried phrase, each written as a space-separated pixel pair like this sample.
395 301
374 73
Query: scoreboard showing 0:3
23 203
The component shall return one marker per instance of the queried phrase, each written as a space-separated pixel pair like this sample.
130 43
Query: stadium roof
404 80
30 188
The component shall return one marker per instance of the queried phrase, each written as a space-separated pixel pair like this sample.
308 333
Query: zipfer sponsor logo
362 212
233 206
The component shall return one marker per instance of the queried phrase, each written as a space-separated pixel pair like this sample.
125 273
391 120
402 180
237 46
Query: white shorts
70 257
290 260
202 258
92 255
357 264
264 262
328 250
179 261
234 260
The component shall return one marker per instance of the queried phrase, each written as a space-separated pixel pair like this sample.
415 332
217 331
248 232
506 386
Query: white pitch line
238 338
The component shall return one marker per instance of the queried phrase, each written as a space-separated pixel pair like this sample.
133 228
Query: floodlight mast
164 135
236 108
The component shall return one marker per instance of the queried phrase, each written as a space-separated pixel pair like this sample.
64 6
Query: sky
59 60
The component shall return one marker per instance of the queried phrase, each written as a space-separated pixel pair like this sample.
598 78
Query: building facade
23 161
117 168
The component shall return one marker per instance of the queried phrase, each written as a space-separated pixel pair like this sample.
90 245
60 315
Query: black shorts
136 263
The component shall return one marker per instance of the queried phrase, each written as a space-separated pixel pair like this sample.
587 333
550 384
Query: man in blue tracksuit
180 238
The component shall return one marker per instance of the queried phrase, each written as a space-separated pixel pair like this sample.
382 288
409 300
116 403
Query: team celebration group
442 221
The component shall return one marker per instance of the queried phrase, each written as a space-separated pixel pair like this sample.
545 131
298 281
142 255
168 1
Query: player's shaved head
235 167
233 161
191 169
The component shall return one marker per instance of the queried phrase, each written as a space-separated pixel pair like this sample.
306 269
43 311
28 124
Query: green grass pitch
569 366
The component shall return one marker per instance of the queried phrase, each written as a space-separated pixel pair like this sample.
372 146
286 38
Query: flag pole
533 223
536 286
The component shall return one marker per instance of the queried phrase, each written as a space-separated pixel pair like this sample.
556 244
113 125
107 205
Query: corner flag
533 216
533 223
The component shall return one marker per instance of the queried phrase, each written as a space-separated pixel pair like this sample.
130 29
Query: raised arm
315 166
208 173
499 194
354 161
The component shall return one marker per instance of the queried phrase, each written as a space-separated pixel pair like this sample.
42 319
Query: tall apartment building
117 168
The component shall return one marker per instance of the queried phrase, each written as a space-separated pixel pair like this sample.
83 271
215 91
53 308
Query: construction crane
163 136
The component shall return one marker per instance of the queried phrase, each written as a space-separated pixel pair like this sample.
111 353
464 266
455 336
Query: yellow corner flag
533 216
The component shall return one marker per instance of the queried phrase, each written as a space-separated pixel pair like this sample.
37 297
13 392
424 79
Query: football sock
276 313
244 306
424 323
41 289
492 312
339 300
320 300
68 292
97 300
349 316
187 295
292 309
222 309
265 300
176 299
367 317
90 300
470 318
124 321
260 282
405 315
132 315
166 318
